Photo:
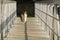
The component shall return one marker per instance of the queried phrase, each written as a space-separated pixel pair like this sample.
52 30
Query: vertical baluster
55 22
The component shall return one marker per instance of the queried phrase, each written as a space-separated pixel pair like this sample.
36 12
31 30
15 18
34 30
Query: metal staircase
33 28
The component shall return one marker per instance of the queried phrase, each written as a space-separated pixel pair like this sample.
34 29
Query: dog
24 16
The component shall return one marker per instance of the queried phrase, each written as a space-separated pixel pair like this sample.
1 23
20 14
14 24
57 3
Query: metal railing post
55 22
1 20
59 28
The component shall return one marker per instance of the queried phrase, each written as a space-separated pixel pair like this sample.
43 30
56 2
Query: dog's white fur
24 17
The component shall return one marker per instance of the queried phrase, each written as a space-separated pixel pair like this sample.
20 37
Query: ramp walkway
32 31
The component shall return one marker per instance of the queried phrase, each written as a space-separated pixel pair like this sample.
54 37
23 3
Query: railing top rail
48 2
48 14
9 2
43 2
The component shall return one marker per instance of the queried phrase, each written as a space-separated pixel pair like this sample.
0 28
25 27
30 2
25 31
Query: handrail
48 26
46 23
7 20
48 14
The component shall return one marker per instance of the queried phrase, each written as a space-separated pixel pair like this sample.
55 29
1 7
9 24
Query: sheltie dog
24 16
